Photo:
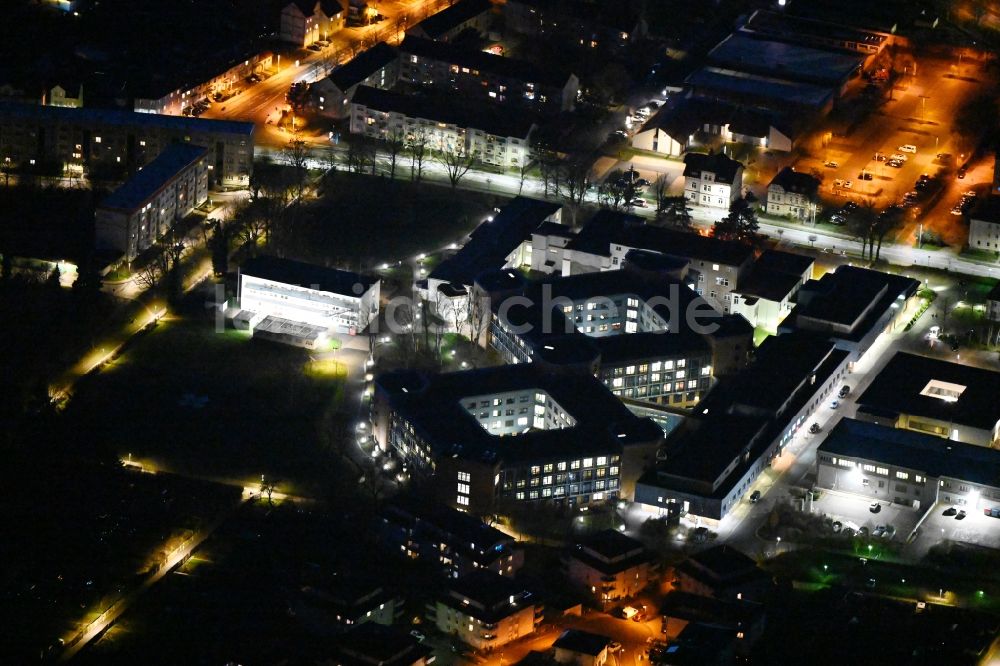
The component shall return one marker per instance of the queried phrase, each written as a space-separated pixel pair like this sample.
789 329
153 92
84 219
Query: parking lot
849 508
976 528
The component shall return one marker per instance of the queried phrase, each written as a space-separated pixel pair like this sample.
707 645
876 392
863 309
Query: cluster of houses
483 601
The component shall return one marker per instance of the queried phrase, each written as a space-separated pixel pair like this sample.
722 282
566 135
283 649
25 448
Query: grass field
214 404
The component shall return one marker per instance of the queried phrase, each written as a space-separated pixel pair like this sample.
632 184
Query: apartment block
984 225
610 566
151 202
377 67
486 611
463 18
79 140
495 137
483 75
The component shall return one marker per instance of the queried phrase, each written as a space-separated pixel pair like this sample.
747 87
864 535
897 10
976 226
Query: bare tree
417 145
296 156
617 191
576 182
394 143
457 161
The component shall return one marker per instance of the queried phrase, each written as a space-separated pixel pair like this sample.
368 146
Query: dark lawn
207 403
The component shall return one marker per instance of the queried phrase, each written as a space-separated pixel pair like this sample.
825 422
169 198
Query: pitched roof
448 19
446 52
515 123
795 182
153 177
329 7
724 168
306 275
362 66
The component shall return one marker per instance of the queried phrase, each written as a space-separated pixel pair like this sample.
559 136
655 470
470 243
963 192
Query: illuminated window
902 475
463 488
463 500
464 476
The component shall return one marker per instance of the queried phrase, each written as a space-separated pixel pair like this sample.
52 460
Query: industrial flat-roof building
513 433
147 206
299 303
709 462
82 139
757 89
907 467
853 306
935 397
822 67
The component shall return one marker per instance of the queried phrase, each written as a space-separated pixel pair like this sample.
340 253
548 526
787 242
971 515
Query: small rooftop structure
582 642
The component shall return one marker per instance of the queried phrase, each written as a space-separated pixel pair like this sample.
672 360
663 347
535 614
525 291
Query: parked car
908 148
957 210
755 497
814 428
834 404
862 531
879 531
875 507
950 511
890 532
992 513
899 156
614 646
895 164
865 175
848 184
832 165
960 515
879 157
639 203
845 391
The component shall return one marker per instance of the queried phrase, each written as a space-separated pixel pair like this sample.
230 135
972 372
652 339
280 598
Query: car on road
845 391
961 173
832 165
629 612
838 183
950 511
755 497
895 164
943 157
639 203
960 515
642 182
907 148
969 193
875 507
814 428
834 404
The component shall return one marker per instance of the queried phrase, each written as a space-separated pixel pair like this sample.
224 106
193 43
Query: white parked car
899 157
908 148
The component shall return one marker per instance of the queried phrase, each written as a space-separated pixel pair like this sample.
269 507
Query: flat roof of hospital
311 276
433 405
